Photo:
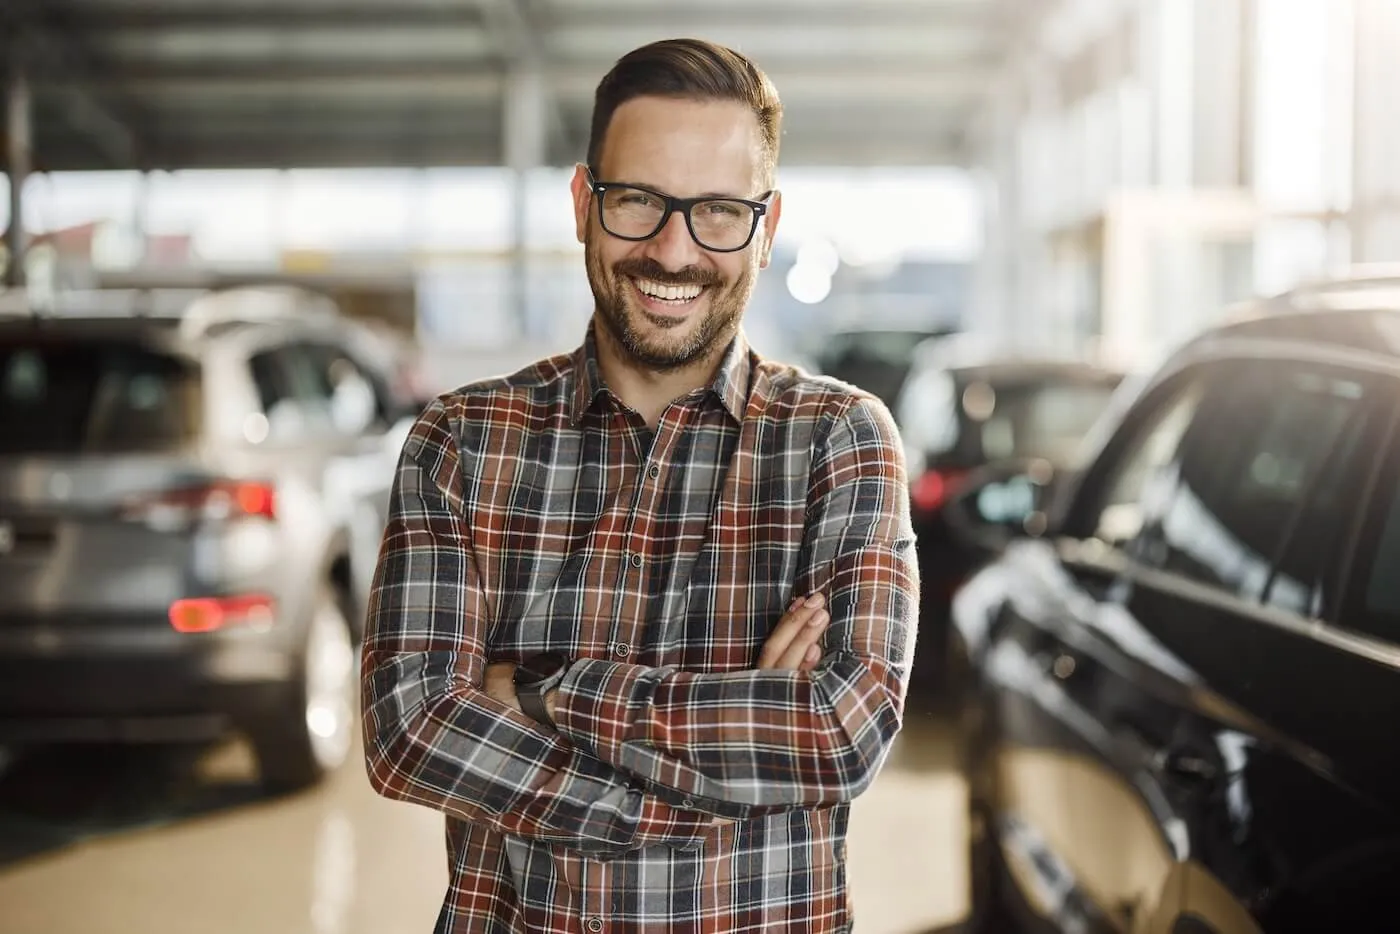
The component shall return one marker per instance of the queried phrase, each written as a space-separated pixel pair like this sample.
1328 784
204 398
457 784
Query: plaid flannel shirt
534 513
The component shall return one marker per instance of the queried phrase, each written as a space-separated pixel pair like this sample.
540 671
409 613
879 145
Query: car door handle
1184 764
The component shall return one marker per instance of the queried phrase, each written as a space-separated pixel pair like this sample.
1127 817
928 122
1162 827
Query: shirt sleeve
432 735
762 739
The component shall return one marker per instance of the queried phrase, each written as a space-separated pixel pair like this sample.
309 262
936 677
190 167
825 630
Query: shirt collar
730 385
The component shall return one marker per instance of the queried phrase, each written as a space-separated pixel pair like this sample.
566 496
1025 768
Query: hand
795 643
500 683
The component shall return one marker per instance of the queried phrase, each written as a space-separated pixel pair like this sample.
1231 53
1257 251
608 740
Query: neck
649 391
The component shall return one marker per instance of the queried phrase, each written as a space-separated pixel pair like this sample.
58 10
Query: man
590 642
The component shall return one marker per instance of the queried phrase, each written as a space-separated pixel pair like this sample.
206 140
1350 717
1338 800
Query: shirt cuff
592 708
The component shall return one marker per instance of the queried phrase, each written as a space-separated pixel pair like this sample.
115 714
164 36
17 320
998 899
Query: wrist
537 682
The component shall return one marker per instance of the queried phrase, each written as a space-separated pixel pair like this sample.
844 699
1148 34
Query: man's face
668 302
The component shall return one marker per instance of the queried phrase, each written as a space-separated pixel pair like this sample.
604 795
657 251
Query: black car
874 359
962 409
1179 698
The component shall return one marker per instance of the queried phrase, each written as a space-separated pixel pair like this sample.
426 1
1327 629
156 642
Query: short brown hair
691 69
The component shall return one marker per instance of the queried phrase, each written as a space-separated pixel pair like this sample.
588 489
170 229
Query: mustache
646 268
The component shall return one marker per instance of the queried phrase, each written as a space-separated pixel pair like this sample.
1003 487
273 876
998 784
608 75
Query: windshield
62 396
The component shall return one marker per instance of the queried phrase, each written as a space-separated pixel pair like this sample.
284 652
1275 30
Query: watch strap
531 698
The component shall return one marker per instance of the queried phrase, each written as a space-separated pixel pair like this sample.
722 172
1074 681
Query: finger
803 641
791 625
810 660
781 635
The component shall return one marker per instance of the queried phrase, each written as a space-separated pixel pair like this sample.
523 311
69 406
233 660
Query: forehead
684 147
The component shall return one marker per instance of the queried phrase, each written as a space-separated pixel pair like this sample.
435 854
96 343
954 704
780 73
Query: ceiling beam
273 147
64 69
153 16
847 84
673 19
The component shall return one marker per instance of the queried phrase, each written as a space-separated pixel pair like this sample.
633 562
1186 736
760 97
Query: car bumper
127 683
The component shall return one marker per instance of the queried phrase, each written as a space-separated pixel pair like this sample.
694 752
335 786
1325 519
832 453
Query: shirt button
595 924
622 649
636 560
687 803
654 471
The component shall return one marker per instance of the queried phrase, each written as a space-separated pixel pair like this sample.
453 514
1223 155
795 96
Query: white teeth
669 293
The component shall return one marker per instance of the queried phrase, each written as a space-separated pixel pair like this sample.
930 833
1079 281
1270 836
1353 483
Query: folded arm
432 734
775 738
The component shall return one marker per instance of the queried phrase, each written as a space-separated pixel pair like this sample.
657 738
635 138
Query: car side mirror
1002 501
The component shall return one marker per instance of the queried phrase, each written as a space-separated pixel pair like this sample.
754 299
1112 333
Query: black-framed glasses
720 225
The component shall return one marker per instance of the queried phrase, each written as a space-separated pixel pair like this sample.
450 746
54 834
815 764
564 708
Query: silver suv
192 492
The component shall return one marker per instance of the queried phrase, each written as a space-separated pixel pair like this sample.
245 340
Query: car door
360 448
1055 769
1199 671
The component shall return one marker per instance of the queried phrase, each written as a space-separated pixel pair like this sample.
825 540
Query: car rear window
1040 420
81 396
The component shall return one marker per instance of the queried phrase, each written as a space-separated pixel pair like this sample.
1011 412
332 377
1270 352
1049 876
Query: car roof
977 356
1027 370
163 332
178 320
1375 332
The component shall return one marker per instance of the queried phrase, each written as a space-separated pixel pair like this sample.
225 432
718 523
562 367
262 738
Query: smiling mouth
668 294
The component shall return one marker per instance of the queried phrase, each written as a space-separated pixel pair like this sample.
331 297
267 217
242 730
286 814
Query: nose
673 247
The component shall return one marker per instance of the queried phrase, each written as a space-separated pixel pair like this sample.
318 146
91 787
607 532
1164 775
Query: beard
658 343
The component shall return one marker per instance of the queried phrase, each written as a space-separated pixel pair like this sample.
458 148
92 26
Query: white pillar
525 134
1376 217
18 164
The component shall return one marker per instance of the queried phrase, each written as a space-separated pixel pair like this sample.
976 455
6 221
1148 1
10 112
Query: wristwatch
537 676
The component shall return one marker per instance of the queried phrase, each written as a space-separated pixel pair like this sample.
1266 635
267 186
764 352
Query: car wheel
314 732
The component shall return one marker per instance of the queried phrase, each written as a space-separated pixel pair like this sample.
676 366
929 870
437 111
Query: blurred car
964 407
401 360
875 359
1180 696
190 509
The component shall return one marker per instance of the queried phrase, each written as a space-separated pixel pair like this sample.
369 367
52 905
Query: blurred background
1041 196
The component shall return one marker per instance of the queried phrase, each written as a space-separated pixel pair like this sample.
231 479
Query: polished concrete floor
112 841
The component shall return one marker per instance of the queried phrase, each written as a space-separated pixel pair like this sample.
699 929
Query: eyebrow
708 195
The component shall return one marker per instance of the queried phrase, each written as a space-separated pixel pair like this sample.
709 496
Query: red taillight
180 506
932 488
256 499
206 614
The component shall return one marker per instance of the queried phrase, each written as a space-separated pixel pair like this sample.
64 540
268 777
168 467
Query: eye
722 208
637 199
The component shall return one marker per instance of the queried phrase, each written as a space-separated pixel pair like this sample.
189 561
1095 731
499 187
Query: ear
770 229
583 200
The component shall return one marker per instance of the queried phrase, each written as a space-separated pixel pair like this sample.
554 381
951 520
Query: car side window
290 407
1258 489
354 395
270 378
1373 604
1143 471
